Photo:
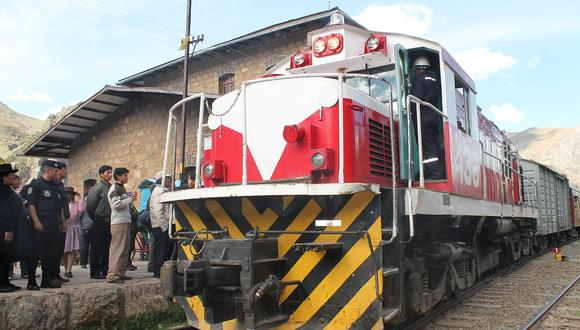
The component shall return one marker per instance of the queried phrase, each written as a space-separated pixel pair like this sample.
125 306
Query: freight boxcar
553 194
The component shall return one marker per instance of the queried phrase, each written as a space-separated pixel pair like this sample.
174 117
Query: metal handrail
418 102
522 177
172 119
341 77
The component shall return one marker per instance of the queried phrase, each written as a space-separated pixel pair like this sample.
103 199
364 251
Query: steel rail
467 293
538 318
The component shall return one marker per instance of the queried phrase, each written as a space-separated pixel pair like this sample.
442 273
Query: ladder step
389 313
390 271
387 231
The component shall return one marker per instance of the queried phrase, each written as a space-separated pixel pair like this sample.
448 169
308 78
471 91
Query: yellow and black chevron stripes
306 263
338 288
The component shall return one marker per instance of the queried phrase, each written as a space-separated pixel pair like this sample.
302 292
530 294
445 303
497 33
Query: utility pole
185 83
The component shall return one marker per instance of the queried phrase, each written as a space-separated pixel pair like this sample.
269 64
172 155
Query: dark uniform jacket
98 206
47 199
425 88
9 204
24 239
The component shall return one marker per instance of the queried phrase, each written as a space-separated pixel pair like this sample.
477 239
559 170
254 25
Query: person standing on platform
425 88
44 205
120 201
62 174
99 210
159 214
28 247
73 233
10 207
86 226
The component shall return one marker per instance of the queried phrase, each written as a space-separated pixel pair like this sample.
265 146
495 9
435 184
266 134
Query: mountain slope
15 129
558 148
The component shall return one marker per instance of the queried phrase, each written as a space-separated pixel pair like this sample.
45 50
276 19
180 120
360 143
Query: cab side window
462 107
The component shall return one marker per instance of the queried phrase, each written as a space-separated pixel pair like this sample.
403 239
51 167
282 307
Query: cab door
402 89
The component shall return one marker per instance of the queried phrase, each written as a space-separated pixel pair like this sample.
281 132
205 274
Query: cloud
507 113
480 63
515 30
405 18
533 62
22 95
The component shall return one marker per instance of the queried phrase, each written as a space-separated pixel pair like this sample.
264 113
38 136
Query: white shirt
158 212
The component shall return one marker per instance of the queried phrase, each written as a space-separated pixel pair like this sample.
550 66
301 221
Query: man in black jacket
45 207
9 207
99 210
425 88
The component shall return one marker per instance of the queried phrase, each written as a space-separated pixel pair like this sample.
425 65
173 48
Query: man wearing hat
10 206
45 207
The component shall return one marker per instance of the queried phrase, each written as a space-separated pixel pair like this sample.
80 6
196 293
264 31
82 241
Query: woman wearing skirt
73 233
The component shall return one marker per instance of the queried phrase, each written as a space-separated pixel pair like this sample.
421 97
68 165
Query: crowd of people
45 223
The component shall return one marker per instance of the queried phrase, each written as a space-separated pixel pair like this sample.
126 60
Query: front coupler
234 279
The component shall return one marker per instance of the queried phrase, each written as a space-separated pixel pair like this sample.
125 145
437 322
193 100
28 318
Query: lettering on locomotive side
465 163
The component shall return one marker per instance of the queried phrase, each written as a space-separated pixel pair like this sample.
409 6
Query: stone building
125 124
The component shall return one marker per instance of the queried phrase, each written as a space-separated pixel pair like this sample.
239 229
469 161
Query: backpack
144 219
144 215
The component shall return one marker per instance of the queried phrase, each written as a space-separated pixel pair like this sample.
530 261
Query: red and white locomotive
311 208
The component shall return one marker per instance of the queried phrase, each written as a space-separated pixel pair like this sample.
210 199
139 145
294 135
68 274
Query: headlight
373 43
319 46
208 170
317 160
299 58
333 43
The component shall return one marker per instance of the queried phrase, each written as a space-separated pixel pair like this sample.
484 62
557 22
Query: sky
523 55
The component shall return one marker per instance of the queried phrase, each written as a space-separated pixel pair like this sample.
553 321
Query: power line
124 12
96 18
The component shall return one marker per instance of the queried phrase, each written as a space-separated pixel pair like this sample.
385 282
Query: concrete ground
81 277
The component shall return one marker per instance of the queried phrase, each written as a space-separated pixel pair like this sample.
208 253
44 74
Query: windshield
376 88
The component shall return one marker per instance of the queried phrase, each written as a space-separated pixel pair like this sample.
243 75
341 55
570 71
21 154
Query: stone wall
132 137
89 305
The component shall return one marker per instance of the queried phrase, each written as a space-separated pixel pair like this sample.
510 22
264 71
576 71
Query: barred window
227 83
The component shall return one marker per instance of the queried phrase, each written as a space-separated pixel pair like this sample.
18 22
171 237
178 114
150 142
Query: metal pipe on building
185 83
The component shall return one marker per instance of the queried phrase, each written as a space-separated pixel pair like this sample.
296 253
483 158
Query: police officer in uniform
44 205
426 89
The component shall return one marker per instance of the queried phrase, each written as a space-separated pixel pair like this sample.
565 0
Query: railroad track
563 311
463 296
509 298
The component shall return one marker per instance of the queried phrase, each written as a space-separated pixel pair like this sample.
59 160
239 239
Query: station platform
82 301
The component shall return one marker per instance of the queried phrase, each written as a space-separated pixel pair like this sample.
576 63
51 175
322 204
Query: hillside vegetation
16 132
558 148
